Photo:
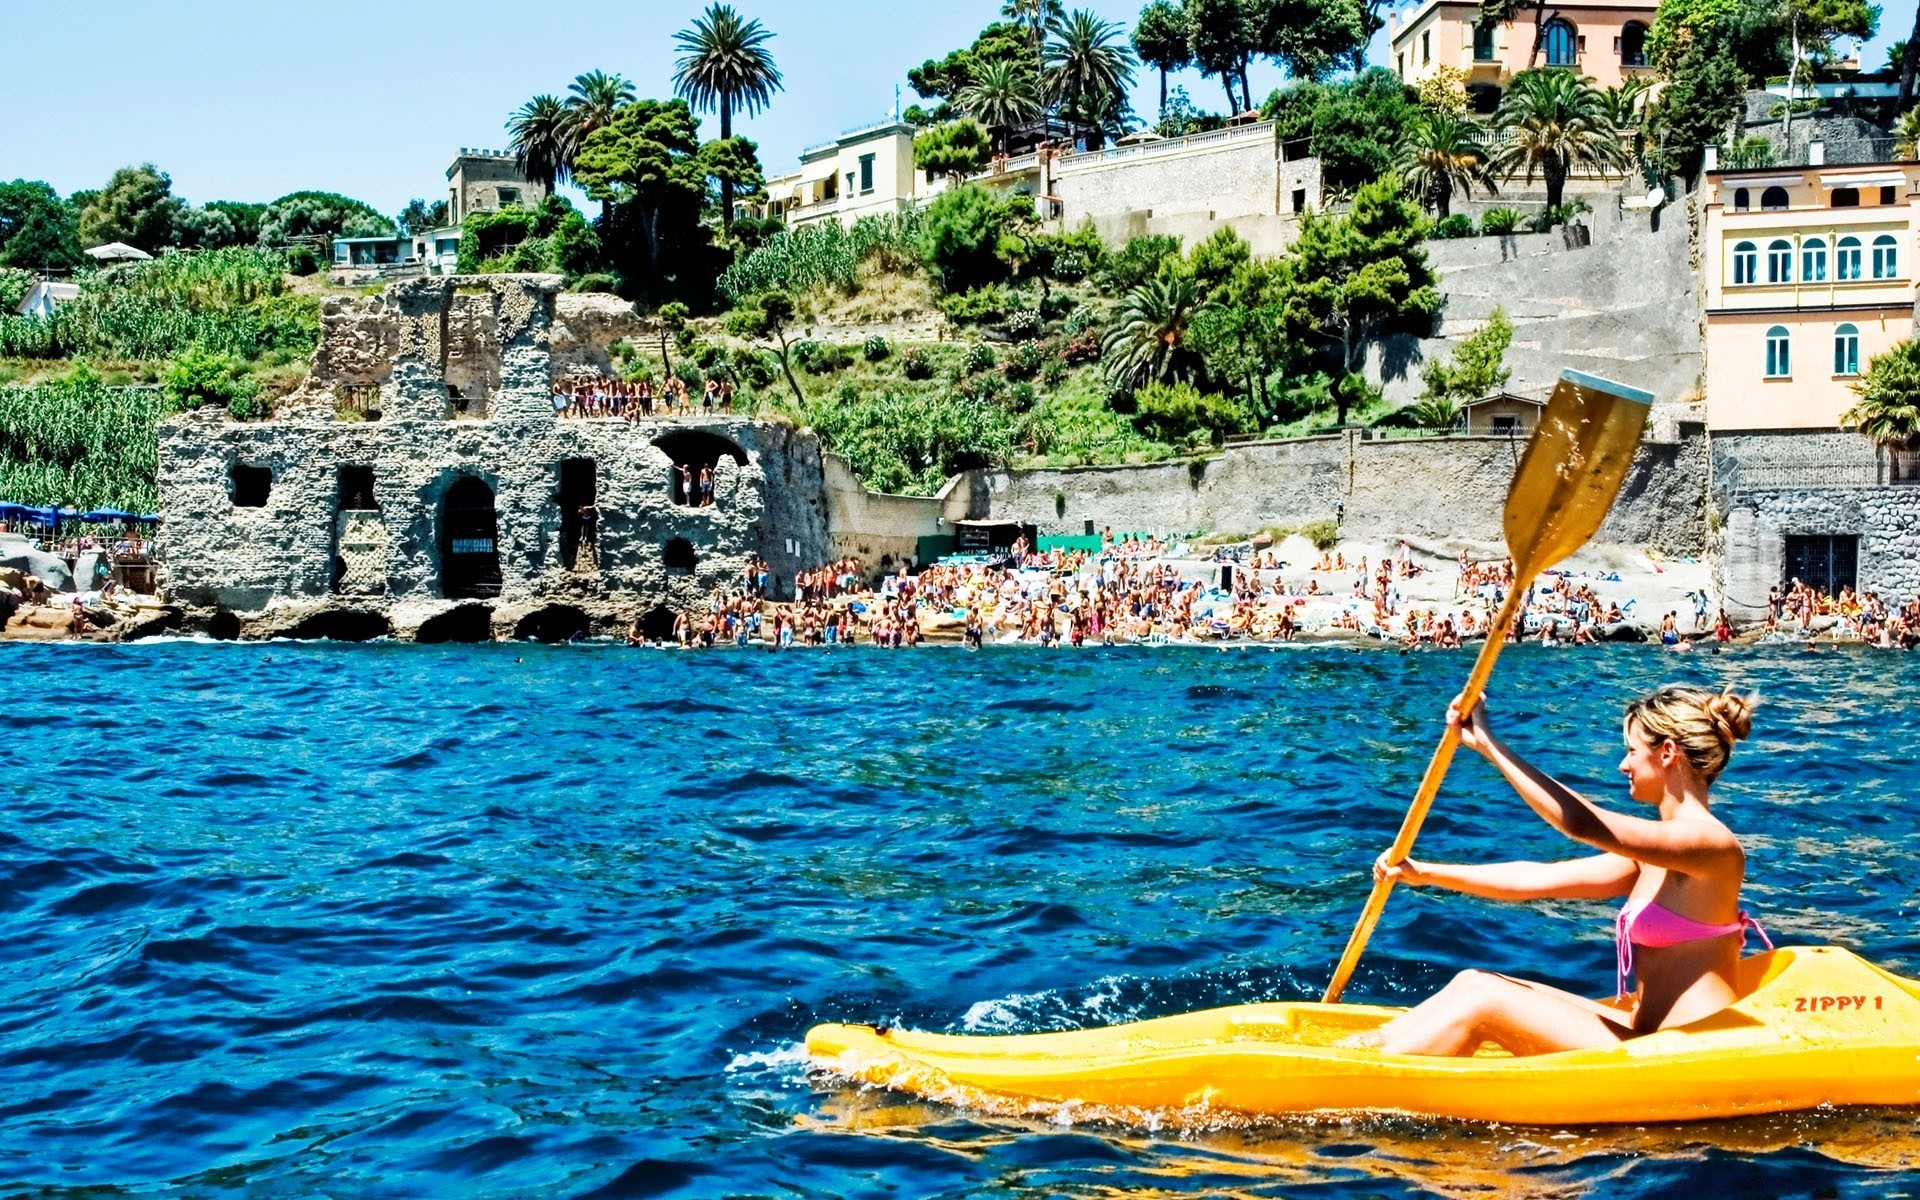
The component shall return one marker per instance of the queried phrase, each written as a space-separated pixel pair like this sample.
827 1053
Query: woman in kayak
1681 928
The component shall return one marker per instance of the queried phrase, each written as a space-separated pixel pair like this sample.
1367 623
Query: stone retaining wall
1429 488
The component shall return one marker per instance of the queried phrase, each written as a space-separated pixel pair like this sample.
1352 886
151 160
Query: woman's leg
1525 1018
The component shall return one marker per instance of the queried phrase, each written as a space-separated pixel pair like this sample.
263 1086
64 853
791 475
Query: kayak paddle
1566 482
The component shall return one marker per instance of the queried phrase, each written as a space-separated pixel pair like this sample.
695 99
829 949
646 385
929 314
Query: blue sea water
507 921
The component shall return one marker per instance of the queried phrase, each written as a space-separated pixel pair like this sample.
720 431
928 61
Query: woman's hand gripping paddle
1567 480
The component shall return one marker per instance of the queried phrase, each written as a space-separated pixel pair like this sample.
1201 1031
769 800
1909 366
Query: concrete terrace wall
1437 489
881 529
1188 188
1626 306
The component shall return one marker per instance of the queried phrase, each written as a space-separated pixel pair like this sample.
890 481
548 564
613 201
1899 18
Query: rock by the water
51 569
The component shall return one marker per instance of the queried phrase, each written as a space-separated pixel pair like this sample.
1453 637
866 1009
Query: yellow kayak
1814 1026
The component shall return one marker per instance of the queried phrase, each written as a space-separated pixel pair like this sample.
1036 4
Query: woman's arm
1597 877
1689 847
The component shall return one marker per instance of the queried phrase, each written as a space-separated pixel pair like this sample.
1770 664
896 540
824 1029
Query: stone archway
469 542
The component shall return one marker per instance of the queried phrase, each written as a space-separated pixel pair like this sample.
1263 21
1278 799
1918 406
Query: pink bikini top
1645 923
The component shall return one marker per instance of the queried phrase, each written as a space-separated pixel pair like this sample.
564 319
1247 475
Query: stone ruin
419 483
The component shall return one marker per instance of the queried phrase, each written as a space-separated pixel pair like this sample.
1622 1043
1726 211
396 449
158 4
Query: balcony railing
1237 133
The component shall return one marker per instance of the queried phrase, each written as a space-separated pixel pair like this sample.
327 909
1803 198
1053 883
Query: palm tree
1906 135
1160 39
541 137
724 63
1001 97
1439 154
1148 342
1888 410
1089 67
596 97
1552 121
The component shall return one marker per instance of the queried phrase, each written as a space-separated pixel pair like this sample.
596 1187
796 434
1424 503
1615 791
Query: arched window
1742 200
1746 263
1779 362
1886 257
1773 199
1846 350
1846 258
1845 198
1633 44
1483 42
1813 261
1779 261
1560 44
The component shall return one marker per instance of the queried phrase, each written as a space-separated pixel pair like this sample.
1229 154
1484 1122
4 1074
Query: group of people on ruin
638 399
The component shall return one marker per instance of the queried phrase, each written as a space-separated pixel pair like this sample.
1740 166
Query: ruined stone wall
488 340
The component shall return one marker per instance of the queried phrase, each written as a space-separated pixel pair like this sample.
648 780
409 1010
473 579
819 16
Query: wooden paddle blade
1573 467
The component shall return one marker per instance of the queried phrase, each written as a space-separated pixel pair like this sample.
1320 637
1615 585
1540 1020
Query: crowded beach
1147 590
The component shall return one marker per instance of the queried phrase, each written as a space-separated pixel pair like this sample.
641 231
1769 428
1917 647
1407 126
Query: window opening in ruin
678 555
469 542
250 486
356 490
696 457
1299 200
1825 562
579 517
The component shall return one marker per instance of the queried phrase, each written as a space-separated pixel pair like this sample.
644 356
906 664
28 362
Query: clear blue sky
251 100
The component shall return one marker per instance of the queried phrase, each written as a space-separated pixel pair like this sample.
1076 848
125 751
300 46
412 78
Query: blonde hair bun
1732 715
1705 725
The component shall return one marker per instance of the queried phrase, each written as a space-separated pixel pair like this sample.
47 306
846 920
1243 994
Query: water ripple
553 920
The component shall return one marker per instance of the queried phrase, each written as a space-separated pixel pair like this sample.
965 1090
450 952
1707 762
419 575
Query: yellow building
861 173
1809 276
1603 39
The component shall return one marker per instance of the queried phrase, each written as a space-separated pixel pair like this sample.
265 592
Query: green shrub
1070 266
302 261
1454 225
1021 397
827 358
1180 413
977 306
1500 221
14 286
1139 261
201 376
966 228
1024 324
1083 348
875 348
1054 373
1079 321
596 281
912 441
979 358
1324 534
916 364
1025 361
803 352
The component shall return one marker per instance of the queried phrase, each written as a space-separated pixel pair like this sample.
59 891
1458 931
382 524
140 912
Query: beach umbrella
117 252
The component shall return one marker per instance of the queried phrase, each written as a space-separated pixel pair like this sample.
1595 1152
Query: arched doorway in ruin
469 542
